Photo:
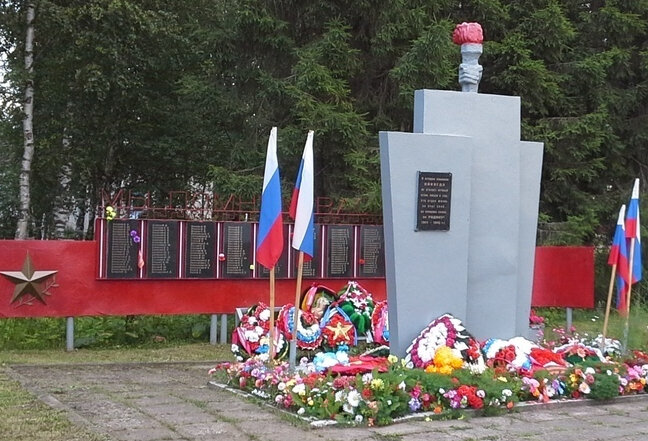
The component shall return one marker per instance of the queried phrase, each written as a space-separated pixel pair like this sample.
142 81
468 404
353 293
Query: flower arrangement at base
380 323
445 361
443 331
543 388
577 352
357 303
543 358
512 354
252 336
634 379
444 370
309 334
317 299
595 381
337 329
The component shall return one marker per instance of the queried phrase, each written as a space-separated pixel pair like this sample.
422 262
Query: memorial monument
460 207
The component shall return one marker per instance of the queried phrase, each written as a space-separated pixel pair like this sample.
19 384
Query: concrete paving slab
171 401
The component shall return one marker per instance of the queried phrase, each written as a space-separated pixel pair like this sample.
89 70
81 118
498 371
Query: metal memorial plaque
237 250
199 250
433 201
311 268
372 251
161 258
122 249
339 251
281 267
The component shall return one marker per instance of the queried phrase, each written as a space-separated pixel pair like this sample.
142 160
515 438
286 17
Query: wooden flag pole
293 340
609 302
626 328
272 314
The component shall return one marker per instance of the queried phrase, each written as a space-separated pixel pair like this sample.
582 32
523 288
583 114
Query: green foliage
101 332
605 387
157 95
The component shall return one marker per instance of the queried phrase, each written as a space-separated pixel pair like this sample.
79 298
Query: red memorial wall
187 267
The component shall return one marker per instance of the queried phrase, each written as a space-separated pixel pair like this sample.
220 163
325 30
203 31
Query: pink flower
468 33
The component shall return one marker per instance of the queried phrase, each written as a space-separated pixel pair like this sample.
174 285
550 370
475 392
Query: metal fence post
213 329
223 332
69 334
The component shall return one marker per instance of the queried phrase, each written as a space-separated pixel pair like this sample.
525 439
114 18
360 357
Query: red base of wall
564 276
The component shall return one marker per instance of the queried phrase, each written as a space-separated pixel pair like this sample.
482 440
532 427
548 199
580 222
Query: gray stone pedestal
481 268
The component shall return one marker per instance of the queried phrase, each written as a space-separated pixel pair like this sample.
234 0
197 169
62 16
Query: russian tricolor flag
633 231
302 202
619 257
270 239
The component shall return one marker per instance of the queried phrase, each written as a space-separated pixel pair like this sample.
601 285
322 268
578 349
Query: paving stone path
172 401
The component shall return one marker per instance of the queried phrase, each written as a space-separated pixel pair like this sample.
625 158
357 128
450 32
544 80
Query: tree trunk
64 202
22 230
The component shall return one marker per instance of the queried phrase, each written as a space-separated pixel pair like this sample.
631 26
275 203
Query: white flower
265 315
234 348
301 411
348 408
389 402
299 389
366 378
340 395
252 321
251 336
441 390
402 386
353 398
480 393
358 418
342 357
584 388
506 392
281 386
590 370
258 330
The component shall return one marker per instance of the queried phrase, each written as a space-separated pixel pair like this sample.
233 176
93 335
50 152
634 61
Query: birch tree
22 230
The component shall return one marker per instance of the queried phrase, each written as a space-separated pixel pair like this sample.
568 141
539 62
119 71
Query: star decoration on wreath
340 330
29 283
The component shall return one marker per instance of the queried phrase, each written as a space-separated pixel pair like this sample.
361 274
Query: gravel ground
174 401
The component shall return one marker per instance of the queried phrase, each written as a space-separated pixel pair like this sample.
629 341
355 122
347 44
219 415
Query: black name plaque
237 250
339 250
199 250
162 249
372 253
122 249
433 201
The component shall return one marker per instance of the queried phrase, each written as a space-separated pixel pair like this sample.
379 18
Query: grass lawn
24 417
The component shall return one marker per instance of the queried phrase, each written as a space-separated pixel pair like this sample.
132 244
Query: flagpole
626 328
609 302
272 314
293 340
